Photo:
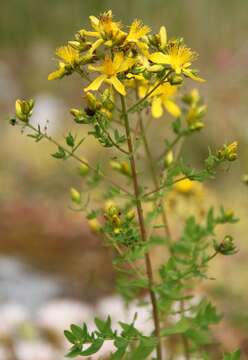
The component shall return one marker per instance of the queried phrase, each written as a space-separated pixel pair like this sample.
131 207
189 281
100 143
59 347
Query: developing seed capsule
75 196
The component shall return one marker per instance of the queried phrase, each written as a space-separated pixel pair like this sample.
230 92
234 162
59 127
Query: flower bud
110 205
163 37
175 79
130 215
75 45
168 159
115 165
75 196
83 169
95 225
125 168
156 68
117 231
24 109
76 112
228 152
226 247
92 102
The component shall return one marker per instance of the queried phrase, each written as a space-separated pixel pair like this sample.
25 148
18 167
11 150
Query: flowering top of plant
125 71
149 60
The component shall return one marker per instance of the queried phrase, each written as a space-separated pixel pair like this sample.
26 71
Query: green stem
148 94
77 158
164 216
148 264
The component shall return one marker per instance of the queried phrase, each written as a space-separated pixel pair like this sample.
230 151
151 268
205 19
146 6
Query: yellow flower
105 29
161 98
70 59
110 69
136 35
179 57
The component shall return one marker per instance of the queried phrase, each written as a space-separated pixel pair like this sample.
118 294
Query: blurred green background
36 225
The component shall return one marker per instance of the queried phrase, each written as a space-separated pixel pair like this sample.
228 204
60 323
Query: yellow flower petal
189 74
160 58
157 109
172 108
57 74
96 44
96 83
117 85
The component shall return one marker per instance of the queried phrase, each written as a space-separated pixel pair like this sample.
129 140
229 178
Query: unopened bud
83 169
75 196
24 109
169 158
130 215
175 79
95 225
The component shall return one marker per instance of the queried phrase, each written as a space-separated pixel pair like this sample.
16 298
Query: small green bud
175 79
115 165
226 247
75 196
83 169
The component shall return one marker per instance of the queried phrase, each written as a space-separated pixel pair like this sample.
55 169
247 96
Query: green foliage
129 339
236 355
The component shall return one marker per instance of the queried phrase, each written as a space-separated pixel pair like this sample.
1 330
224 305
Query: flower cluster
131 58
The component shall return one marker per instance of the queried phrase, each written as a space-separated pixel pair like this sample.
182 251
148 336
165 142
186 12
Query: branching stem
77 158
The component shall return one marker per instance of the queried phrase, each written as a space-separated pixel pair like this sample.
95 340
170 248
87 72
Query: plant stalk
148 264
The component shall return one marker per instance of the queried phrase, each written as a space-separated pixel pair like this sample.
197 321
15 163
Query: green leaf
75 351
70 336
60 154
104 327
93 348
70 140
78 332
232 356
179 328
144 349
121 344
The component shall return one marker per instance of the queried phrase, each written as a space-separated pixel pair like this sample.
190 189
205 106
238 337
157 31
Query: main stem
142 229
164 217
